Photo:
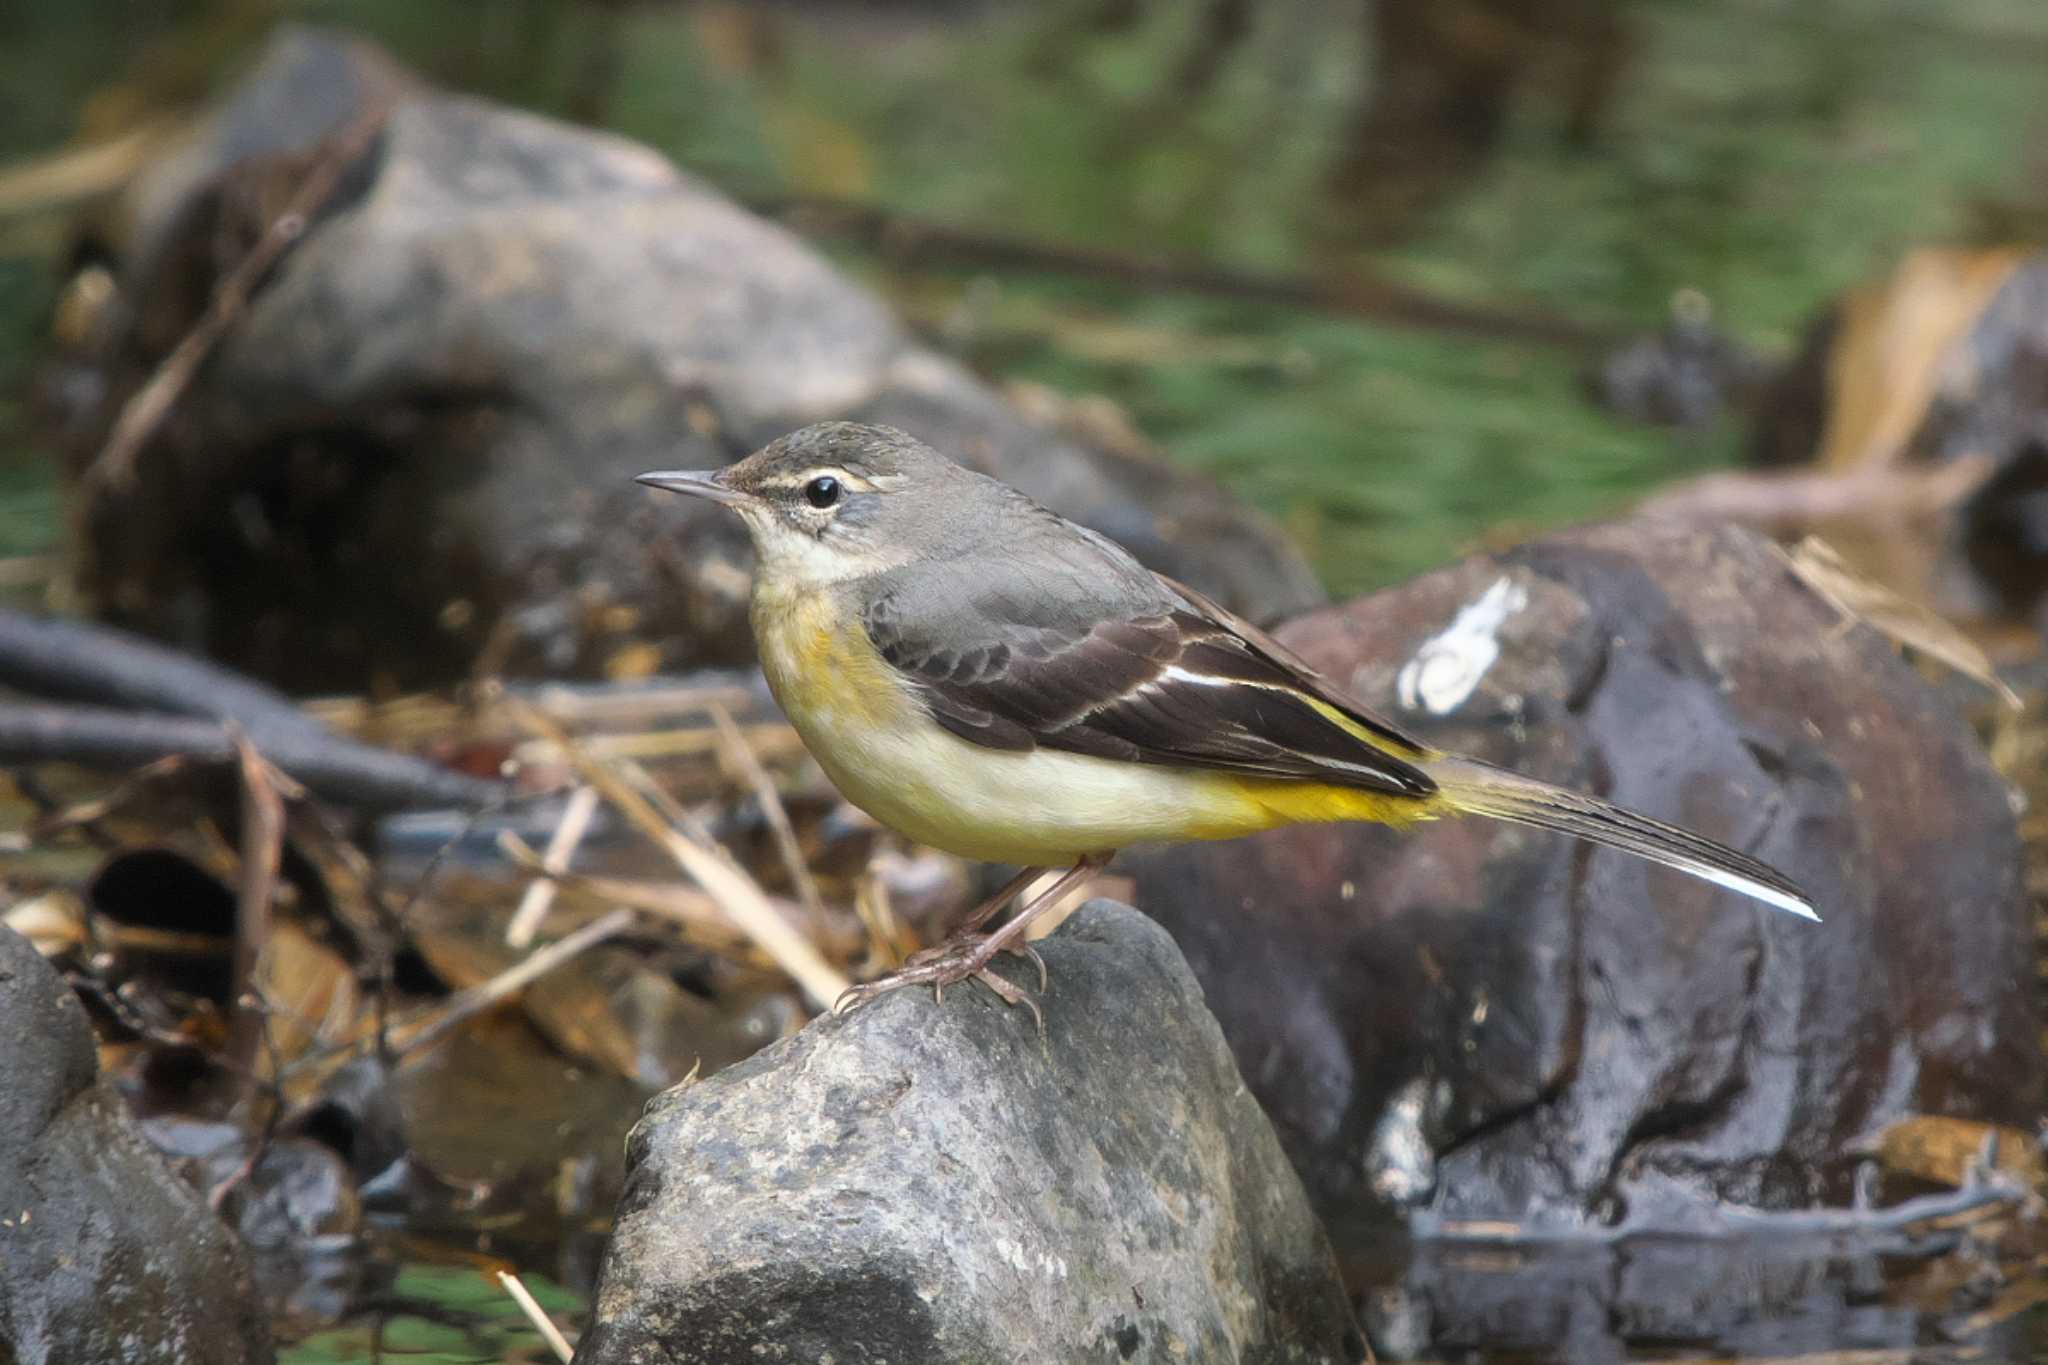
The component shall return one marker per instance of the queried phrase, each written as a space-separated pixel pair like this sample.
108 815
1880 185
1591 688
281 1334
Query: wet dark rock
105 1255
355 1116
923 1182
421 436
1685 375
1988 399
291 1200
1474 1021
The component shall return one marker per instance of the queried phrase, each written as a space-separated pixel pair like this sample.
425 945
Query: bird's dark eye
822 491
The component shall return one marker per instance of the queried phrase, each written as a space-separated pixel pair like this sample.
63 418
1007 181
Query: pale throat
791 562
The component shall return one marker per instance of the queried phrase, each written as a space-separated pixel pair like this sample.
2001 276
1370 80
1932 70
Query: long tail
1477 788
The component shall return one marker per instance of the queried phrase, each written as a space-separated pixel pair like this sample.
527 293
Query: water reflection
1949 1295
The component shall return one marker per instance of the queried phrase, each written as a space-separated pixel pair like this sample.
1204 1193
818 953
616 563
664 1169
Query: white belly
1041 808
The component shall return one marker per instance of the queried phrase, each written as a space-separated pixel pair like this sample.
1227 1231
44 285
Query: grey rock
105 1255
50 1059
422 435
932 1182
1471 1021
1686 374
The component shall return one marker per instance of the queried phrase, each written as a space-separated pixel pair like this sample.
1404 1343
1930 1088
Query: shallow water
1768 1297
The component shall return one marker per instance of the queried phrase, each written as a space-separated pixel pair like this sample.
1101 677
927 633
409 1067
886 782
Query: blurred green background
1763 154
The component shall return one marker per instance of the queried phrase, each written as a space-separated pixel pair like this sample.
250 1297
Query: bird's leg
1011 933
965 931
966 955
987 909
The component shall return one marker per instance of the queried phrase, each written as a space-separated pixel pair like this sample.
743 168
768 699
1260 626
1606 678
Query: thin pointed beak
700 483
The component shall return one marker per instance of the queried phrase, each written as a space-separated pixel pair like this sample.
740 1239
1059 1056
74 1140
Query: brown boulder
1471 1020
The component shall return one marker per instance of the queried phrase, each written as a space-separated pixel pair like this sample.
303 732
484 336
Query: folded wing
1168 683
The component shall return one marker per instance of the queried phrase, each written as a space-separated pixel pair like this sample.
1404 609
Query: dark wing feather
1298 668
1141 672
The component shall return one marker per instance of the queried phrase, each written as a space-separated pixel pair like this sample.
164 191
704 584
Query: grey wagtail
990 679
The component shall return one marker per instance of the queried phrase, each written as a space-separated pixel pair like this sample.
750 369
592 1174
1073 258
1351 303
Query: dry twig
387 964
536 1315
1858 597
540 893
94 809
703 924
771 806
146 408
735 891
466 1005
637 705
1793 500
264 790
63 177
771 739
26 571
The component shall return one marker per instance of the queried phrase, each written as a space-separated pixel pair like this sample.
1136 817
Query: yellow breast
821 666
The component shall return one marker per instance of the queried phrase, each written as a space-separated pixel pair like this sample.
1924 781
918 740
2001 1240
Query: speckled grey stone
933 1182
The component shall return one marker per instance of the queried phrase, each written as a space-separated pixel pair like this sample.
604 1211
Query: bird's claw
948 964
1026 950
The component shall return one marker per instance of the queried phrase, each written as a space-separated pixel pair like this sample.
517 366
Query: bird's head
840 500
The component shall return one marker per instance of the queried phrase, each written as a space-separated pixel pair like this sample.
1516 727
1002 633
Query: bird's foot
965 957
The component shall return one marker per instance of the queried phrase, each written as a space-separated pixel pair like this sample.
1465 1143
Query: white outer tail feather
1481 789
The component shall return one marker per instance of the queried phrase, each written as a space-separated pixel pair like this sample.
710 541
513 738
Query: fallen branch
338 769
1926 1208
1786 502
82 661
1370 297
1730 1220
